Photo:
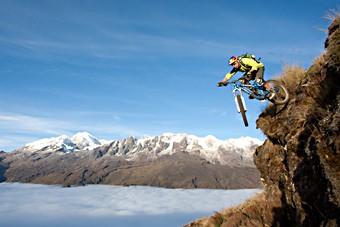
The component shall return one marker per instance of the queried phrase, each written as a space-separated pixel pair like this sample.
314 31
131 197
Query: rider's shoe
271 96
251 97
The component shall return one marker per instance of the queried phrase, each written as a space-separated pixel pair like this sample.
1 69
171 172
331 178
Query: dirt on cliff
299 161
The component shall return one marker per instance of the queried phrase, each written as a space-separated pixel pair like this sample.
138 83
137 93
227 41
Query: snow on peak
210 141
85 140
243 144
80 141
244 141
209 147
60 143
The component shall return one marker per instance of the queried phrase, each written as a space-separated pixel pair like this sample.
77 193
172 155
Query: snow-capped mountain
209 147
152 147
60 143
168 160
84 140
80 141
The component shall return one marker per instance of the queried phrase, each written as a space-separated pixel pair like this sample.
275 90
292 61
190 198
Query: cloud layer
98 205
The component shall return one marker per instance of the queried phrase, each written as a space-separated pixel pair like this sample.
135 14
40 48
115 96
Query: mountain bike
259 92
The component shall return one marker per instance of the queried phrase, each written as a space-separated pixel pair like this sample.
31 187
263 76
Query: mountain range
237 151
168 160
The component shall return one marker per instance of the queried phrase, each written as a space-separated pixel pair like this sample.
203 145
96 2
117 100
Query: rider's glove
219 84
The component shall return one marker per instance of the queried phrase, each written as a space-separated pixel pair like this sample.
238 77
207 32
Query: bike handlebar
220 84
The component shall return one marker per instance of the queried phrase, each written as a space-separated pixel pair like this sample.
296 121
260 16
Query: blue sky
134 68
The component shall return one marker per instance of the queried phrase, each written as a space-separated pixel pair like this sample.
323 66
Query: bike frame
246 88
257 91
239 88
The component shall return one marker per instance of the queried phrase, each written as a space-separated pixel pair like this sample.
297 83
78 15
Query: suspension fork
237 92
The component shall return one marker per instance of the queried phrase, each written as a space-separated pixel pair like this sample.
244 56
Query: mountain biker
253 70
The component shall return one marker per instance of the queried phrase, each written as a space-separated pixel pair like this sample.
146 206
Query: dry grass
320 61
299 81
257 211
306 93
292 76
333 14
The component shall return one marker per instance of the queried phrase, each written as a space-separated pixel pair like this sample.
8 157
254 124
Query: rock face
300 160
169 160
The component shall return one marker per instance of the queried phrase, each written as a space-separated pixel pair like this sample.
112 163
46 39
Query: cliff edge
299 161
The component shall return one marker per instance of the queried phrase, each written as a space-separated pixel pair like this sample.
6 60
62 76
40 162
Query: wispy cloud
27 123
19 129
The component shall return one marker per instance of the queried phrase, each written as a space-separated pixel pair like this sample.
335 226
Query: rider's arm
230 75
227 77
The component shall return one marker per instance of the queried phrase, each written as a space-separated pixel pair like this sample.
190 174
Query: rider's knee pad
259 81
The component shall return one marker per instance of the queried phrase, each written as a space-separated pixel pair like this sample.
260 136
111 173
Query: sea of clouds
103 205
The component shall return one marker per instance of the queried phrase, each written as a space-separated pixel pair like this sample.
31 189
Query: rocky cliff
299 162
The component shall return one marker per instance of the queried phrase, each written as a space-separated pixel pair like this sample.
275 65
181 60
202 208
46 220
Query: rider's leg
245 80
266 86
259 78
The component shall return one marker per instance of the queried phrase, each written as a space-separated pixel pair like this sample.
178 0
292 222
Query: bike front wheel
281 92
242 110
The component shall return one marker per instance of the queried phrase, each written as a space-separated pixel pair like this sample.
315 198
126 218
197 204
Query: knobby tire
282 95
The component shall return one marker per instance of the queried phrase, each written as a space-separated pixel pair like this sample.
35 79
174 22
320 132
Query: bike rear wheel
281 92
242 110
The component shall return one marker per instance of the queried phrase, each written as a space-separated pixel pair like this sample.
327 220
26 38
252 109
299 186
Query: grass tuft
292 76
333 14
